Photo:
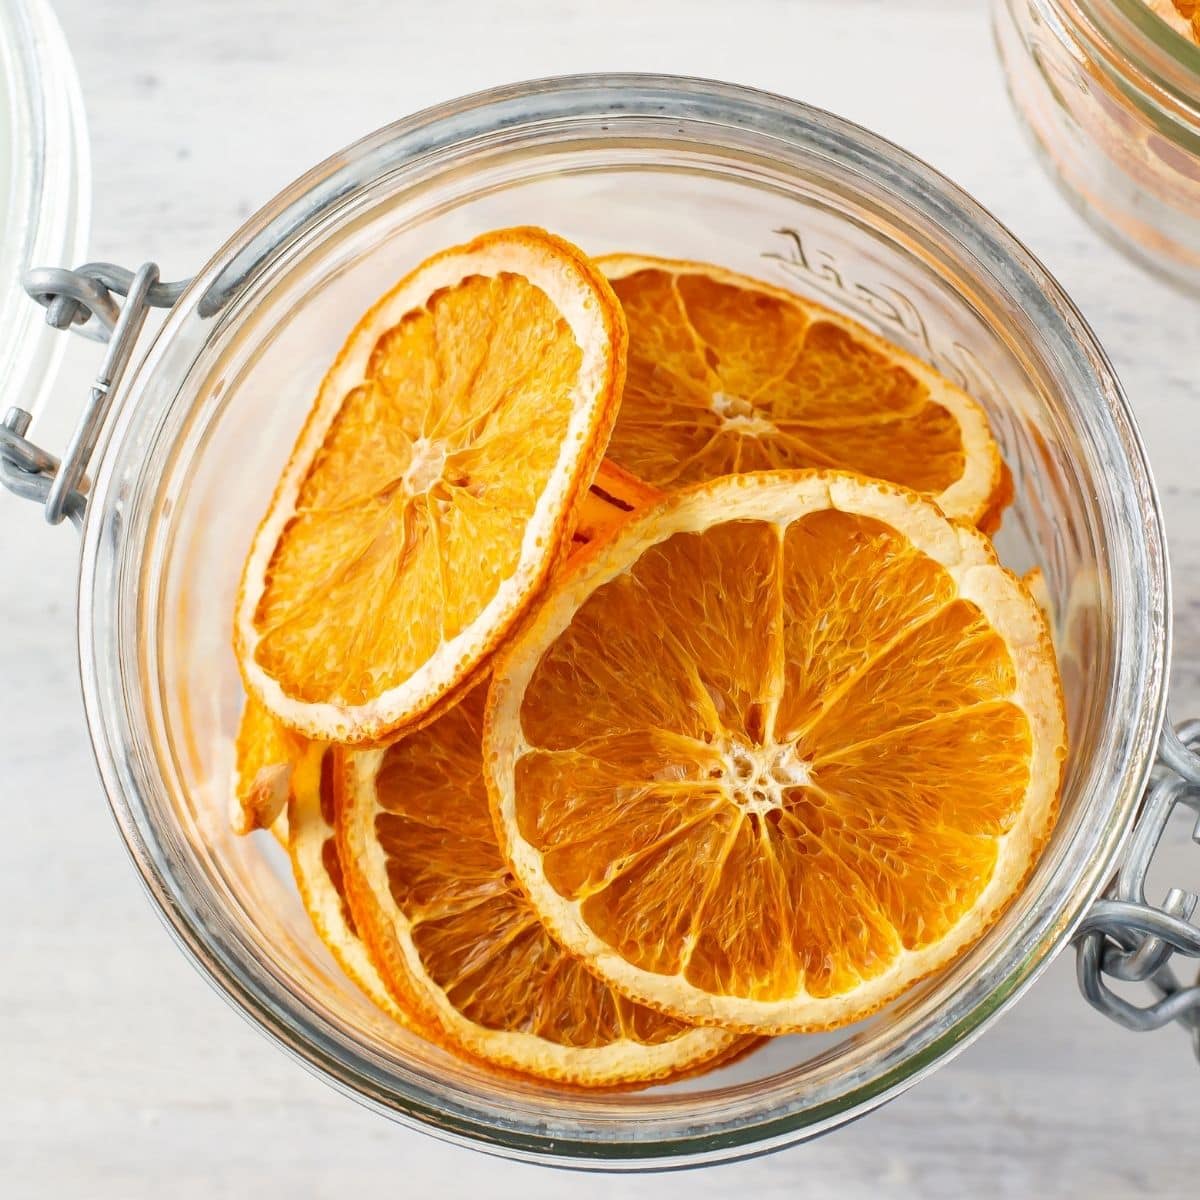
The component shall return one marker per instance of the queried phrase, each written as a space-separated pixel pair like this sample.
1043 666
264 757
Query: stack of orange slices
629 672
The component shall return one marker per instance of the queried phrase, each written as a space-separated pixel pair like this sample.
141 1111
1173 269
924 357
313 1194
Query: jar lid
45 190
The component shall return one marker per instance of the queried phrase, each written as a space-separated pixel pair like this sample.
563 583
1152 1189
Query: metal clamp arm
81 300
1127 938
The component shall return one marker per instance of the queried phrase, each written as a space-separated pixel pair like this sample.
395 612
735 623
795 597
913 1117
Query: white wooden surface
121 1074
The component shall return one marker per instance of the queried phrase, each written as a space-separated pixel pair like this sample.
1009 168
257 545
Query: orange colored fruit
264 753
320 879
458 942
613 496
434 487
728 374
785 745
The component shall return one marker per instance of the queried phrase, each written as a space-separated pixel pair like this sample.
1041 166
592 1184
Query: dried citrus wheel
457 940
730 374
433 488
264 753
787 744
319 877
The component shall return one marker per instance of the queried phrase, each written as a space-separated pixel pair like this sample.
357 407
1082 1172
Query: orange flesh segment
477 936
724 378
874 763
439 455
329 851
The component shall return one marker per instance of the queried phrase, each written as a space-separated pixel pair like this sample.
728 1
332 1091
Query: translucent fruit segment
748 338
649 911
616 668
608 818
836 381
965 770
819 926
850 586
329 851
724 617
413 511
923 451
951 661
746 942
429 873
909 884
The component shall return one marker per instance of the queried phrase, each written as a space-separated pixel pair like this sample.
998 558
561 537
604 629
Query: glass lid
45 189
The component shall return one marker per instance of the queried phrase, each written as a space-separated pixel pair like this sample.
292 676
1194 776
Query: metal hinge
1126 938
81 300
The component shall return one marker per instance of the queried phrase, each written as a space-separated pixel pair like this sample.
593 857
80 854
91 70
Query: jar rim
531 107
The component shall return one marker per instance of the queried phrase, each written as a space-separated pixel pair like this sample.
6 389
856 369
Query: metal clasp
1124 937
81 300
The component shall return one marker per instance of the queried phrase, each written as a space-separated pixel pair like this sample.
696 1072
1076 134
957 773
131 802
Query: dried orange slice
457 940
264 754
433 488
787 744
728 374
319 876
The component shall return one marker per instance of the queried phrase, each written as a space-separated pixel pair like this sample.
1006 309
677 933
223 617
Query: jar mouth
129 499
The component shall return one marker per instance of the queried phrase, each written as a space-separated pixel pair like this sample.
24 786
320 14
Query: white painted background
121 1073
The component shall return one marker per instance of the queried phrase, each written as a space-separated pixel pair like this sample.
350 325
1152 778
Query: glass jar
201 428
1110 93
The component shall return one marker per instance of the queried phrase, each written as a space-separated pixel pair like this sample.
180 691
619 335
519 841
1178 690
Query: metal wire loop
1124 937
1180 751
81 300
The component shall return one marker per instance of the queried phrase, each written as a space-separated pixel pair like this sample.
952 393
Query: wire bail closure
81 300
1125 937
